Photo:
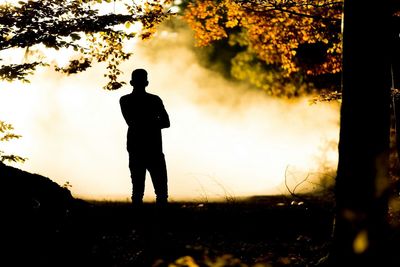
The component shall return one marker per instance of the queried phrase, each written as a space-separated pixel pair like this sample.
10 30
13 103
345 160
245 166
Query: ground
270 231
43 225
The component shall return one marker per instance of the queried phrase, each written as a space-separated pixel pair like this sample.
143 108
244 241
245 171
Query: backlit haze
225 139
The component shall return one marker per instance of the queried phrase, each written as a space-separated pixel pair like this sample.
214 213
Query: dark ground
46 226
114 234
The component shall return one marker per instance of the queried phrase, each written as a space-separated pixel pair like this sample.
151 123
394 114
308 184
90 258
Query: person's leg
158 172
138 176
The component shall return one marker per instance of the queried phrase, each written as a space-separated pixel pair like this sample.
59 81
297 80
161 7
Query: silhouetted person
146 116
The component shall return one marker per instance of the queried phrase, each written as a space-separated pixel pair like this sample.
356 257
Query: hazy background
225 139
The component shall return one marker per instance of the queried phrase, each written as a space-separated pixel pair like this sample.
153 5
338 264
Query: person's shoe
137 203
161 204
161 201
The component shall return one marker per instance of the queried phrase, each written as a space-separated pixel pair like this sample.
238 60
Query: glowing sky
224 139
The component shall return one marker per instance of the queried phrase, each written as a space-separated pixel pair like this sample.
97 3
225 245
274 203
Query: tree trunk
396 85
362 182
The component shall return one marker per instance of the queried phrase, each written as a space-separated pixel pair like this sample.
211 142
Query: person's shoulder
153 97
124 98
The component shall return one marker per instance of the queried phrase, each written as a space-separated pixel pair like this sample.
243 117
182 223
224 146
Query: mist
225 139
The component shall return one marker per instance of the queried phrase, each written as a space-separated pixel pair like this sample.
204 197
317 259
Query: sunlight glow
60 57
11 2
224 140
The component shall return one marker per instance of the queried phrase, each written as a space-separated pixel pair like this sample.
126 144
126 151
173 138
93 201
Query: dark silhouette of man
146 116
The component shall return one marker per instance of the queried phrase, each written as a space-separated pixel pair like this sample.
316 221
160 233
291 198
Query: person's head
139 79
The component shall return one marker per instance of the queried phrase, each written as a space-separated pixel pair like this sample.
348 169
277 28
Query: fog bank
225 139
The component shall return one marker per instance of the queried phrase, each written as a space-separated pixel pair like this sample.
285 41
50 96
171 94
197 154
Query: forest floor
268 231
43 225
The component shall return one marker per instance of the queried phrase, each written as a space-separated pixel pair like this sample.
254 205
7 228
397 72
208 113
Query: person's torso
144 132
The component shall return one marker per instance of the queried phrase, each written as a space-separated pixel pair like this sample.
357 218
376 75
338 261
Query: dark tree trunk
362 182
396 84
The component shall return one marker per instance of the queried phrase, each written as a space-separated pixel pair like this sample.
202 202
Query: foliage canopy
280 39
75 24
